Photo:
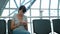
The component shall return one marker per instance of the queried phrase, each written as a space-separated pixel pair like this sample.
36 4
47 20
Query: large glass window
33 10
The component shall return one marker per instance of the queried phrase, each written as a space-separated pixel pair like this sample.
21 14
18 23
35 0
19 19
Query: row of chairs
43 26
3 27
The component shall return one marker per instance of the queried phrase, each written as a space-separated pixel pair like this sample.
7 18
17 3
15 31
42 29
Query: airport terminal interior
43 16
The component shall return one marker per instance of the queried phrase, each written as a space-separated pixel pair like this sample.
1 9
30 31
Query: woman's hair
23 8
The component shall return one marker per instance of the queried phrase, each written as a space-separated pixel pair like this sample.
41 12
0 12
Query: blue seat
9 27
2 27
41 26
56 25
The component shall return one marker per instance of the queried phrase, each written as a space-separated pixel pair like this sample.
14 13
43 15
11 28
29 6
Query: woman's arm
13 26
26 26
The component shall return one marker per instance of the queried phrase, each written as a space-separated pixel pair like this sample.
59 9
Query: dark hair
22 8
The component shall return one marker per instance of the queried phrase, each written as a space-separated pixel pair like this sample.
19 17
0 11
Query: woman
19 22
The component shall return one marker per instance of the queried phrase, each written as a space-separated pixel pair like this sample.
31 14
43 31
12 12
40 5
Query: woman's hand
24 22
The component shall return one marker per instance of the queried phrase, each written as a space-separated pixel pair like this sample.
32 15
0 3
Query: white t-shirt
16 21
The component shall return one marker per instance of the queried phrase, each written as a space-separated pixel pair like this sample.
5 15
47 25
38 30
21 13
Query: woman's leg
18 31
26 32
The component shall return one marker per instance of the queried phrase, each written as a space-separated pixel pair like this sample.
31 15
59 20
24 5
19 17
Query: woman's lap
20 32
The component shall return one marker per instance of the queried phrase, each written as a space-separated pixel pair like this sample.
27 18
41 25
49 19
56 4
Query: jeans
20 30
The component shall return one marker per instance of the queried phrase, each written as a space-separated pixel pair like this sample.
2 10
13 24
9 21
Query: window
5 12
54 4
35 12
53 12
12 4
45 4
45 13
27 13
36 4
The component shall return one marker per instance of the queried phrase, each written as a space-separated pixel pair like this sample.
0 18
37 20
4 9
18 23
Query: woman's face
20 12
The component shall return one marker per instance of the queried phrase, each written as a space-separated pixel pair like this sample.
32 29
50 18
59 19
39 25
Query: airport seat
56 25
41 26
9 28
2 27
